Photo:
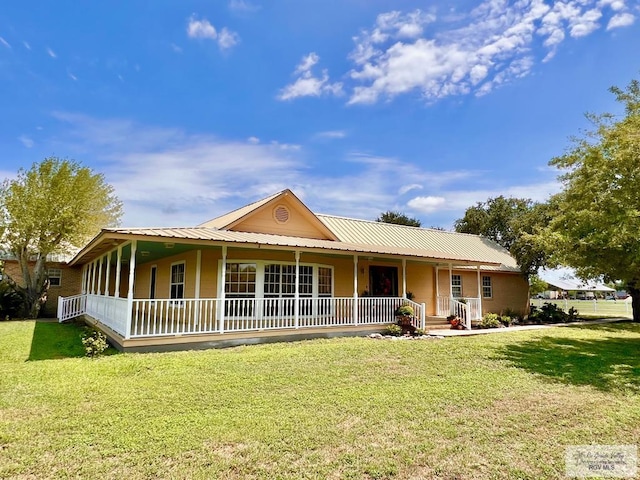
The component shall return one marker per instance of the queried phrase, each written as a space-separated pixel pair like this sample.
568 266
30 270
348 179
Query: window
325 286
487 291
456 286
177 280
240 280
55 277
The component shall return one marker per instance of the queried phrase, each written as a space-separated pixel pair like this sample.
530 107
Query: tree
597 214
398 218
55 207
510 222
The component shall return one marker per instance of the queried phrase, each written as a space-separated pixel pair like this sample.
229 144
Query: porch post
355 290
92 288
83 285
296 307
450 281
100 276
196 314
222 280
108 274
132 278
479 294
404 278
116 292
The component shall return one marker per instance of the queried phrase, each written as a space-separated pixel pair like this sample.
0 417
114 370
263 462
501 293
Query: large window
487 290
177 280
456 286
240 280
55 277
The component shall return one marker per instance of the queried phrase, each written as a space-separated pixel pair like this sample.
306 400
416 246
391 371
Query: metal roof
447 244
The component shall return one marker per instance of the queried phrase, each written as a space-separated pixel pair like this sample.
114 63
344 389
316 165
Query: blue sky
194 108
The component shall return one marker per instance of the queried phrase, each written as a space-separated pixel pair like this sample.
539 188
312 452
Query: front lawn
488 406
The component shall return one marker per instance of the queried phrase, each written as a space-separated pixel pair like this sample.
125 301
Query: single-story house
275 269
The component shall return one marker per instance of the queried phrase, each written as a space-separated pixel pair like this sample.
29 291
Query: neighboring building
273 268
64 281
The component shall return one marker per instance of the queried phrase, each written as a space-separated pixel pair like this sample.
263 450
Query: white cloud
26 141
227 38
203 29
72 76
426 204
496 43
308 85
26 45
243 6
175 48
331 134
5 43
253 140
621 20
51 53
407 188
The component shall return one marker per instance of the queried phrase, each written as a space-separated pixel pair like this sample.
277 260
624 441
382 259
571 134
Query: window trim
176 300
490 287
456 286
59 277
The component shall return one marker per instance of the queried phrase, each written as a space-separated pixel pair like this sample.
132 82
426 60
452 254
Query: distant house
274 268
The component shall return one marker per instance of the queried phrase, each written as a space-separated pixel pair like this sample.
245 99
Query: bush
10 302
393 330
490 320
549 313
404 311
95 342
506 320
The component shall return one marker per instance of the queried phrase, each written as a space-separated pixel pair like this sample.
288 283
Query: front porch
213 318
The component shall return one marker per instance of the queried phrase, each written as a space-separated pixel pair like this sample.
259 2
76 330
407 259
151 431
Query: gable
284 215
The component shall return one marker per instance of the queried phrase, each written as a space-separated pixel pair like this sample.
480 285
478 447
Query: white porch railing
159 317
71 307
466 308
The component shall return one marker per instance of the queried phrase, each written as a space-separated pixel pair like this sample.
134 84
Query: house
273 269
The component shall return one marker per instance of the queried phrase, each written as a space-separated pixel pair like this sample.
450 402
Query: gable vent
281 214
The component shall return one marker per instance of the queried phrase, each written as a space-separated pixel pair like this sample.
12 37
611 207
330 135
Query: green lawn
489 406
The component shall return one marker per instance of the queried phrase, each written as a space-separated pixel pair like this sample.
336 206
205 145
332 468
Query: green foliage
596 217
405 311
548 313
392 330
510 222
536 285
490 320
398 218
95 342
53 207
10 301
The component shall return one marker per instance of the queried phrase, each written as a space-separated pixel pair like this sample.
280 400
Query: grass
489 406
591 308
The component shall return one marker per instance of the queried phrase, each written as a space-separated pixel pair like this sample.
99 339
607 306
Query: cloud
26 141
621 20
472 53
243 6
331 134
168 177
51 53
26 45
5 43
72 76
202 29
175 48
308 85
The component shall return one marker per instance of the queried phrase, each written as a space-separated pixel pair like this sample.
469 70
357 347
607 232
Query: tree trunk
634 291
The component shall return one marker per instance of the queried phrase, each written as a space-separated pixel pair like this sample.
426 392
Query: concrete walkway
483 331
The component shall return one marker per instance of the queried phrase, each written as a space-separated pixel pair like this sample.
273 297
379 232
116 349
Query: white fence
157 317
618 308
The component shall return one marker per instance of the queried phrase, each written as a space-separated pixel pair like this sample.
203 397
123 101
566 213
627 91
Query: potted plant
404 316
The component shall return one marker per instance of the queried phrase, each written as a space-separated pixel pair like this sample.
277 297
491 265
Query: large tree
53 208
596 222
510 222
398 218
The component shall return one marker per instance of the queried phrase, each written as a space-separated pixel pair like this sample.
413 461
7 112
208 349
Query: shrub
404 311
10 302
490 320
548 313
94 341
420 332
506 320
393 330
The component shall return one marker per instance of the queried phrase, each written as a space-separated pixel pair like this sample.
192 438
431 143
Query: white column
197 289
108 274
355 289
221 281
132 279
479 293
93 278
450 281
404 278
83 285
296 307
116 292
100 276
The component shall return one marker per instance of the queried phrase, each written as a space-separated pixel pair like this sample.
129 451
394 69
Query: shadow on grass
608 364
53 340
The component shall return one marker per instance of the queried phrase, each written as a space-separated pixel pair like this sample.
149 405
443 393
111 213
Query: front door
383 281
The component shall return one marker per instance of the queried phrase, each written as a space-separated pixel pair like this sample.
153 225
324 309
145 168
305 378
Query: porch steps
436 322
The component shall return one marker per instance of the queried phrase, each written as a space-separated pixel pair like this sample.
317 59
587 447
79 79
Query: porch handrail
461 310
71 307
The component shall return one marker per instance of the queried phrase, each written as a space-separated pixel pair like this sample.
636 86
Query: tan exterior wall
509 290
70 283
299 224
